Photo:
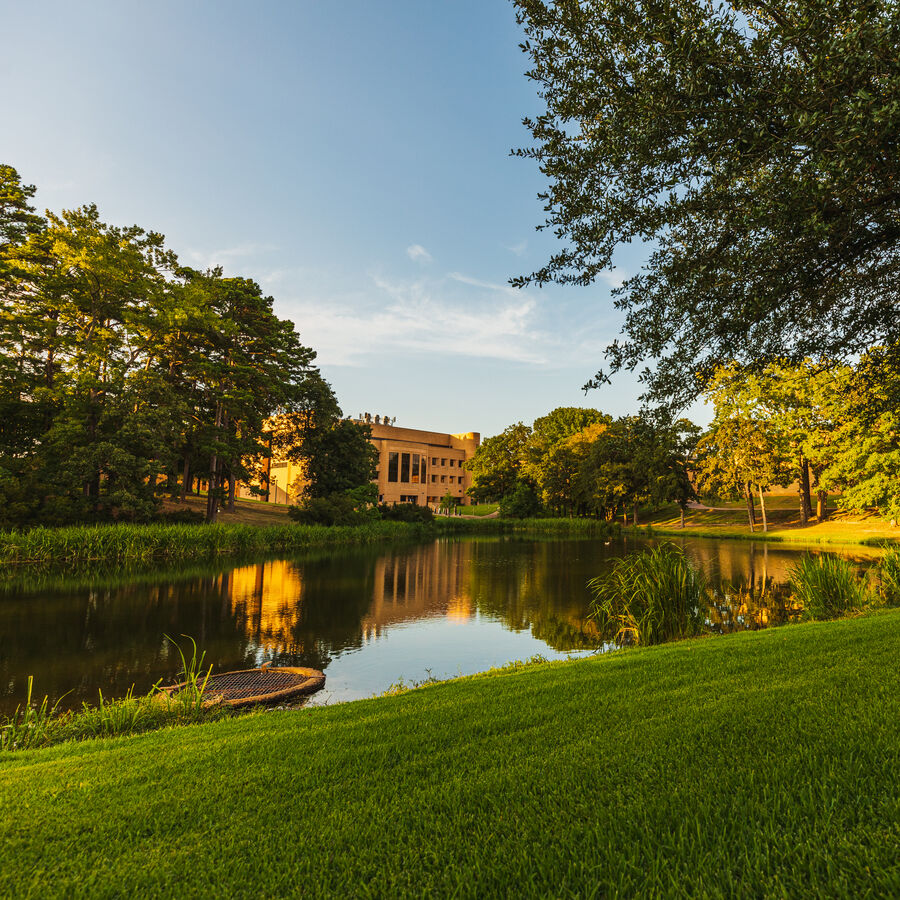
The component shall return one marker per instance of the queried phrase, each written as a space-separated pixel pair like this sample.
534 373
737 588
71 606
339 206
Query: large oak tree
753 145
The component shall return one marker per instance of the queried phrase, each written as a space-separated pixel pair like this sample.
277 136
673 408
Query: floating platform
250 687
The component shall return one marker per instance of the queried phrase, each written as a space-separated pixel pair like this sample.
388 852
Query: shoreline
434 790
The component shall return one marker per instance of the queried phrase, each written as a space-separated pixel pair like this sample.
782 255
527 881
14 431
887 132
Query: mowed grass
784 526
759 764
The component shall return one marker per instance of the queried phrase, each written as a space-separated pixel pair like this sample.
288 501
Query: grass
826 586
889 578
758 764
650 597
480 509
36 725
784 526
92 544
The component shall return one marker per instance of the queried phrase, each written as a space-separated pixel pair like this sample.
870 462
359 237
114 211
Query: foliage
354 506
497 463
121 371
338 456
406 512
753 146
650 597
889 578
826 586
522 503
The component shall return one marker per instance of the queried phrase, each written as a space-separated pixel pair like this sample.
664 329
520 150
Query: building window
452 462
434 460
404 468
422 470
443 461
443 478
433 479
415 468
393 459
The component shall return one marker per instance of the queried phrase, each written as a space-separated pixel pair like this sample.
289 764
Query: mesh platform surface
241 685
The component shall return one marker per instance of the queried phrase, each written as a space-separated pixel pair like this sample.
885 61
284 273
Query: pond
368 617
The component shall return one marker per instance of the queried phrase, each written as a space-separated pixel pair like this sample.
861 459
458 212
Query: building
420 466
413 466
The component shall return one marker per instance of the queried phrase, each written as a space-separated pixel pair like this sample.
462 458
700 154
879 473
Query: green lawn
480 509
761 764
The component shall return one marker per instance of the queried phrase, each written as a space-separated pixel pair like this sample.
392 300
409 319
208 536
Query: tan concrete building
421 466
414 466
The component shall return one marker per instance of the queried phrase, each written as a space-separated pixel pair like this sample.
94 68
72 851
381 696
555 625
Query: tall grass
92 544
35 725
889 578
650 597
826 586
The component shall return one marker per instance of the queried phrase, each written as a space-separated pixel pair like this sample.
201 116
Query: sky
351 156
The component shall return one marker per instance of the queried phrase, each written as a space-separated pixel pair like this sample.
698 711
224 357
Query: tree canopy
121 370
752 144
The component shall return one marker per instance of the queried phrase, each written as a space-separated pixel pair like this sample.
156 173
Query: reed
35 725
95 544
30 725
650 597
826 586
889 578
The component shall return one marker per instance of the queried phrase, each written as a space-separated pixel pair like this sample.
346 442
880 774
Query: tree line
126 377
826 427
581 462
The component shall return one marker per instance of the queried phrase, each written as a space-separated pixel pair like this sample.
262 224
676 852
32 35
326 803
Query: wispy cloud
519 249
427 316
228 258
486 285
417 253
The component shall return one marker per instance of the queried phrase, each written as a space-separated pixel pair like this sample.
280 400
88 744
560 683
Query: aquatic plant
889 578
29 725
36 725
826 586
91 544
650 597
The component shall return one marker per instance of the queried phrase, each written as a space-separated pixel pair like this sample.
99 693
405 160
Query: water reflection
366 616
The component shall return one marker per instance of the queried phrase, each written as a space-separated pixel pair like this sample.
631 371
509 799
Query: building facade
421 466
414 466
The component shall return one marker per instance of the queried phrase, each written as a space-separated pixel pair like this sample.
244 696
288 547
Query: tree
753 145
497 463
337 457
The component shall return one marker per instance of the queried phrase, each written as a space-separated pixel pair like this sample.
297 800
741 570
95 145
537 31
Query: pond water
368 617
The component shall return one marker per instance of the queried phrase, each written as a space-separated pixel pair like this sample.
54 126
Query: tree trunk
212 497
822 506
681 525
186 477
762 504
232 484
805 497
751 512
634 515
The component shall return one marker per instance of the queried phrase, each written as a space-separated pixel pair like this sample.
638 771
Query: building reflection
107 632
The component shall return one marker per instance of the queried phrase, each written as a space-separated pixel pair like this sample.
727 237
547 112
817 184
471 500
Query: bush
337 509
826 586
406 512
650 597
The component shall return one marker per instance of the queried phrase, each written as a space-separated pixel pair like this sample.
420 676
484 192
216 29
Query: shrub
650 597
826 586
406 512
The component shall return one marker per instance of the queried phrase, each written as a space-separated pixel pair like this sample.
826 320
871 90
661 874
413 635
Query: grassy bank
761 764
141 543
784 527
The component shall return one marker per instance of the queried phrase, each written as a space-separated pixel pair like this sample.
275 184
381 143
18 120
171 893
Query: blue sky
353 157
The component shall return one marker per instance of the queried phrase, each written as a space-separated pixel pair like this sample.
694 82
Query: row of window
408 468
453 462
